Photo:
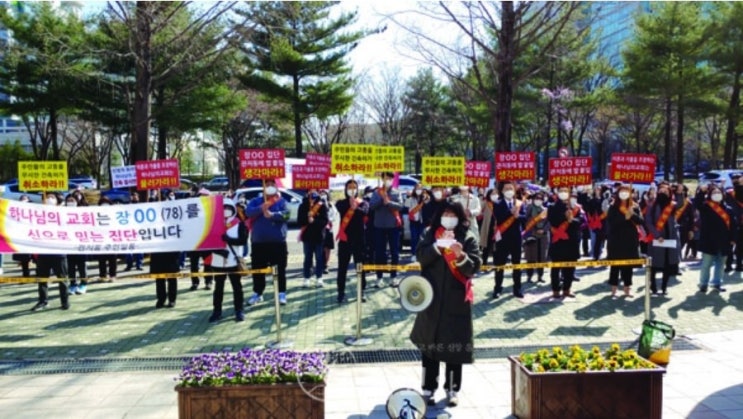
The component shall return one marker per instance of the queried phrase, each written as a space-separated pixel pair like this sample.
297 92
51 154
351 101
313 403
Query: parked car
84 180
407 183
118 195
724 178
219 183
11 192
293 200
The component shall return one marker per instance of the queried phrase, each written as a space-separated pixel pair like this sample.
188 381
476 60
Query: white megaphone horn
406 403
416 293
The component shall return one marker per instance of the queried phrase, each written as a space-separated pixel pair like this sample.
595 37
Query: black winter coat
715 237
624 240
444 331
165 263
313 232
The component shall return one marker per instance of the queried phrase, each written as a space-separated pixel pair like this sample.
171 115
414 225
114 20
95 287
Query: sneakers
306 283
320 283
72 290
39 306
413 259
215 317
65 306
719 288
82 289
380 283
395 282
452 399
255 299
239 316
282 298
428 397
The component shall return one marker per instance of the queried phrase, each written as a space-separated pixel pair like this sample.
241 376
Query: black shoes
215 317
239 316
170 304
518 294
39 306
194 287
65 306
719 288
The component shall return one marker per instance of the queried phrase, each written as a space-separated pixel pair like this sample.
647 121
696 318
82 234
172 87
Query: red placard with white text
477 174
632 167
311 177
514 165
570 171
262 163
157 174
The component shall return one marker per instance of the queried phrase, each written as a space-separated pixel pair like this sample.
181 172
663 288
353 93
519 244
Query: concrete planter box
627 394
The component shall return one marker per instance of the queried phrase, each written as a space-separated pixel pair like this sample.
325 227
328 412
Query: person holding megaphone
449 256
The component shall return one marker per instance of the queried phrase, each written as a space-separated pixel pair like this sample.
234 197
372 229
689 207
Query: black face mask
663 199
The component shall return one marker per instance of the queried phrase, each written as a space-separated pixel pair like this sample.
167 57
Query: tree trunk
53 134
680 140
505 77
297 120
141 107
667 139
547 137
731 151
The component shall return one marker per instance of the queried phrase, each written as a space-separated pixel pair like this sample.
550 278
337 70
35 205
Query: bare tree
384 100
323 133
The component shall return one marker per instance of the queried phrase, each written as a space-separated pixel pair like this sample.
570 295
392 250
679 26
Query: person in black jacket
510 216
47 264
716 236
565 227
623 219
313 217
226 262
351 211
165 263
734 199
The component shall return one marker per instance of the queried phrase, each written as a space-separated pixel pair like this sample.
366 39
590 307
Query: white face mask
563 196
367 196
509 194
388 183
623 195
449 222
717 197
228 212
573 201
51 201
464 191
270 190
418 191
72 204
171 198
351 192
538 202
437 194
494 197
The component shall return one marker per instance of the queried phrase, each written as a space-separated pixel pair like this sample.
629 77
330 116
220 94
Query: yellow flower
553 363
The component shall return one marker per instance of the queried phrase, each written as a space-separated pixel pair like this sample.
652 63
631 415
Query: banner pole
277 307
648 275
358 340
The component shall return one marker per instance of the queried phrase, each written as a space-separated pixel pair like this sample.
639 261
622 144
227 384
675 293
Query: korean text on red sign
514 165
632 167
158 174
570 171
477 174
311 177
262 163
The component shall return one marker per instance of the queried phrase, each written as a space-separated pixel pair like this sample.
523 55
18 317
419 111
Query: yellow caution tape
178 275
417 267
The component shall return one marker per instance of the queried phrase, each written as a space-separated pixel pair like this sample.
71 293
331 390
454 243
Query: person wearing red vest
565 220
717 234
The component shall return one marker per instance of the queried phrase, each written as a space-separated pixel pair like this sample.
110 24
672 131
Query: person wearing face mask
536 235
685 218
368 227
386 204
623 219
225 263
449 256
582 197
436 202
488 225
267 219
471 205
565 219
646 201
76 264
662 226
107 262
734 198
313 217
718 231
510 216
596 216
350 236
48 264
414 204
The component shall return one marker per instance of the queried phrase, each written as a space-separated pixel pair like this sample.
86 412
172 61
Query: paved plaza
112 354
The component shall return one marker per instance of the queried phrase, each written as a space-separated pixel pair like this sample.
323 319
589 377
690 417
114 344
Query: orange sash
717 208
451 262
231 224
561 232
679 212
661 223
313 212
508 223
414 210
594 221
534 220
395 212
271 200
640 231
345 221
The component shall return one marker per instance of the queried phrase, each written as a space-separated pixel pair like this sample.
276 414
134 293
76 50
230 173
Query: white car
723 178
293 200
11 192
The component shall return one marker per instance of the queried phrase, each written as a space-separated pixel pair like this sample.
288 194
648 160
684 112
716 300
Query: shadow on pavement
725 399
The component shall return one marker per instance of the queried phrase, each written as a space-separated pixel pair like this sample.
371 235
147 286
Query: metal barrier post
648 276
358 340
279 344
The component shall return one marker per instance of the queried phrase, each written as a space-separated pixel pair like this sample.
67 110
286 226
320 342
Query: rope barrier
177 275
417 267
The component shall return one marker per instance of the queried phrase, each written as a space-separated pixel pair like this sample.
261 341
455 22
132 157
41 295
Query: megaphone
406 403
416 293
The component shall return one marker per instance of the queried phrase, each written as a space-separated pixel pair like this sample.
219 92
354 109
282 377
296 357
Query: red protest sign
262 163
514 165
157 174
317 159
570 171
477 174
311 177
632 167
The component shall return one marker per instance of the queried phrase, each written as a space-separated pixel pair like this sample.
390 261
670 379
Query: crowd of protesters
515 224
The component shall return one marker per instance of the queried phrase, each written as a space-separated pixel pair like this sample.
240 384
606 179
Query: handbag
240 262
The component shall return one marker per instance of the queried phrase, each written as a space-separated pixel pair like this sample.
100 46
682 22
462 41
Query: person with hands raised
313 217
623 220
350 236
565 219
386 202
